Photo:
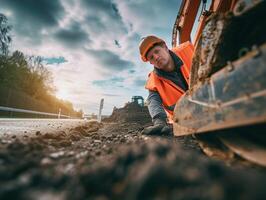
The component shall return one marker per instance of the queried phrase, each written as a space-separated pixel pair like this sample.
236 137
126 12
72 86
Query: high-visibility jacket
169 91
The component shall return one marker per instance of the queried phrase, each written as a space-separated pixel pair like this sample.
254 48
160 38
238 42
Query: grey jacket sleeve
155 107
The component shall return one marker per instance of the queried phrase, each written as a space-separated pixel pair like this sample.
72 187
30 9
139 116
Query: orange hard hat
146 44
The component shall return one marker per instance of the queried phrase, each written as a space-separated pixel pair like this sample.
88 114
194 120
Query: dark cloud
73 35
142 16
103 16
95 24
132 71
42 11
110 61
115 81
139 82
105 6
110 95
30 16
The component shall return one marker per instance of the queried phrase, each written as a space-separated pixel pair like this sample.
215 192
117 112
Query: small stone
192 174
110 150
71 153
74 137
64 143
69 168
48 136
6 142
95 137
46 161
122 139
57 154
24 179
81 154
38 133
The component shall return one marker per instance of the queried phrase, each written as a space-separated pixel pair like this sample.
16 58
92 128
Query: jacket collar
177 61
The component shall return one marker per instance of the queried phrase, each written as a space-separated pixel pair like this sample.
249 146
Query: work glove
160 127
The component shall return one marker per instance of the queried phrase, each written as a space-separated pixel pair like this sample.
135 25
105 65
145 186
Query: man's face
159 57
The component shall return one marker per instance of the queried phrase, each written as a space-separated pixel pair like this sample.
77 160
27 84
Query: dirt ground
113 160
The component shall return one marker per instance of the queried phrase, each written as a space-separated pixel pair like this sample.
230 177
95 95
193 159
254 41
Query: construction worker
167 82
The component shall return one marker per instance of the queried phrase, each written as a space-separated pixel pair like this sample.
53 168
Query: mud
131 112
114 161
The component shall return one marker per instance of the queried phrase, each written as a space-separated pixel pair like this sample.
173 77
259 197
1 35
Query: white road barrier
59 115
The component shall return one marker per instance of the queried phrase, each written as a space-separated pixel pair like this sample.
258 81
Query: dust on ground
113 160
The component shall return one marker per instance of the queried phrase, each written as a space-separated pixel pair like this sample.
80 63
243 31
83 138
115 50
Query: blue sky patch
109 82
54 60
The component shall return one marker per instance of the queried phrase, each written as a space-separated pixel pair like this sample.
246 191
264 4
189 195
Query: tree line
27 75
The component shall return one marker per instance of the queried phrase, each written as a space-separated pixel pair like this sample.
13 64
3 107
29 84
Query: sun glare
62 94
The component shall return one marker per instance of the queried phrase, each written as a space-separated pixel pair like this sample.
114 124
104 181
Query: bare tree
5 37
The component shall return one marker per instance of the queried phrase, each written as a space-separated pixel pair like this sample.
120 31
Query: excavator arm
186 18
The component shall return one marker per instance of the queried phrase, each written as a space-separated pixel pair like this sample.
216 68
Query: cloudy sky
91 46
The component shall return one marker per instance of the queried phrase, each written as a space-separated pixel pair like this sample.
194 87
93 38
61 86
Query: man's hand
160 127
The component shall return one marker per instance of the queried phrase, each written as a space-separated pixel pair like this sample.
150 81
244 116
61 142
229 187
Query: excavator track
245 145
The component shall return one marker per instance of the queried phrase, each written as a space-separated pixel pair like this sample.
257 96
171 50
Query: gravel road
114 161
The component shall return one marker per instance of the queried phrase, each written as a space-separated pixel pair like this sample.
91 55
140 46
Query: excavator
225 106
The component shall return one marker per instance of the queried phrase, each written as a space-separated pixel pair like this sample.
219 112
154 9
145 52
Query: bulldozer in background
225 106
138 100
